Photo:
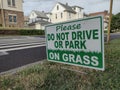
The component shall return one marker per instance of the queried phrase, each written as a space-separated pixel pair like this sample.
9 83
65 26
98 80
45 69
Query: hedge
31 32
21 32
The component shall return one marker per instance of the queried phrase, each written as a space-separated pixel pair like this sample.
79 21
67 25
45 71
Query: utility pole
110 16
2 14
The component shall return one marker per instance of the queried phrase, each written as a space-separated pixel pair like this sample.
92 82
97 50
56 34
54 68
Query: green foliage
21 32
105 31
54 76
6 83
0 25
115 23
31 32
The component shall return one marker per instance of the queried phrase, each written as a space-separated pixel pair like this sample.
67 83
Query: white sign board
79 42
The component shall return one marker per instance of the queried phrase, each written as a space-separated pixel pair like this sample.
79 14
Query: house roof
87 15
42 22
40 14
67 8
104 13
77 6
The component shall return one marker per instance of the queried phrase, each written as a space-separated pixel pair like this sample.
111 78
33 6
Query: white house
39 24
37 15
38 20
63 12
11 13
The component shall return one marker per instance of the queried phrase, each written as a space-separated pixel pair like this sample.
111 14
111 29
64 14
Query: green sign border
102 41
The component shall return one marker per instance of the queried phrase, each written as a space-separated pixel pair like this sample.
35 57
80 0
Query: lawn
55 76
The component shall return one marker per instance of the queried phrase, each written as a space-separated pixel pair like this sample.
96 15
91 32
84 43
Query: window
56 16
13 18
13 2
10 18
9 2
32 14
57 7
61 15
80 10
74 8
69 15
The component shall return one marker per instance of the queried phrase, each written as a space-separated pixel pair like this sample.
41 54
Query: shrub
21 32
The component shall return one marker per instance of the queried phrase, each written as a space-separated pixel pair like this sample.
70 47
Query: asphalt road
17 51
18 58
112 36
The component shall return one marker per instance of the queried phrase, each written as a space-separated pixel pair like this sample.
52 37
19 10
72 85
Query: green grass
54 76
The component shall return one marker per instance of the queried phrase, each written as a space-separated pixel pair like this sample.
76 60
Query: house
26 21
37 15
105 15
39 24
63 12
85 15
11 13
49 15
38 20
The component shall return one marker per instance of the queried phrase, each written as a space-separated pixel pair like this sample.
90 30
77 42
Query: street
18 51
112 36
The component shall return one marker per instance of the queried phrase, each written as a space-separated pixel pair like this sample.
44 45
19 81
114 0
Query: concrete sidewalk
21 37
12 37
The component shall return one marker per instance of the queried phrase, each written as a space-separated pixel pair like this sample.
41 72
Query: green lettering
77 45
78 26
82 45
71 45
89 34
57 28
66 44
95 34
79 35
73 35
58 36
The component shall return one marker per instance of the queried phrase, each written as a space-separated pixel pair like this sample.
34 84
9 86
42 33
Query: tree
115 23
